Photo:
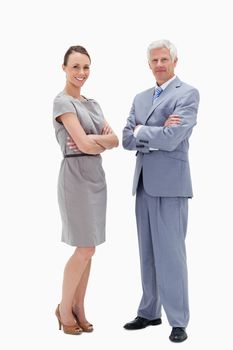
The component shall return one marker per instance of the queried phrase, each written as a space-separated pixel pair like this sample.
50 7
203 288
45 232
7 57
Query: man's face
162 65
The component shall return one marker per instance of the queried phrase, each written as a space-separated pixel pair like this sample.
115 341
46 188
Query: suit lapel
169 90
146 101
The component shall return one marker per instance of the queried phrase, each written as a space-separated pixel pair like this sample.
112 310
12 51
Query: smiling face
77 69
162 65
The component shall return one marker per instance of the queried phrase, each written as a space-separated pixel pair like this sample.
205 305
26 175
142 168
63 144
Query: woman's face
77 69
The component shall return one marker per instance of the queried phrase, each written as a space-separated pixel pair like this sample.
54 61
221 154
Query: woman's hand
71 144
106 129
173 119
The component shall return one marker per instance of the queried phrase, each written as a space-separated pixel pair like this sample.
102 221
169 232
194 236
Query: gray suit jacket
166 170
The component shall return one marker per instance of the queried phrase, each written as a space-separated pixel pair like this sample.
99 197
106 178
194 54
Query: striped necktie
157 92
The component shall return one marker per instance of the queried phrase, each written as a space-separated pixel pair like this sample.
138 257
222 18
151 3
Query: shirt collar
164 85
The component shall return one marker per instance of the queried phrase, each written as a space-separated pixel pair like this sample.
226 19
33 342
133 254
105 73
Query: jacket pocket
177 155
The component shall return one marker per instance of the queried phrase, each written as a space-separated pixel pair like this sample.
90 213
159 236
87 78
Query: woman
81 184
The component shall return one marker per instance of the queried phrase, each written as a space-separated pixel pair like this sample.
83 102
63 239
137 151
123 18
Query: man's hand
137 126
172 119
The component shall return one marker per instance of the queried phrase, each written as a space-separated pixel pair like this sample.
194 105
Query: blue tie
157 92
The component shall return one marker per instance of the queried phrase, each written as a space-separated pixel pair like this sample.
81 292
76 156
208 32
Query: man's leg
150 306
168 220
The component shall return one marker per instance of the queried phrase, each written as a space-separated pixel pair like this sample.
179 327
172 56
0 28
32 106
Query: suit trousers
161 226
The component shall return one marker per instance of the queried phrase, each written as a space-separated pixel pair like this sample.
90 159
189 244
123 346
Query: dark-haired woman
81 184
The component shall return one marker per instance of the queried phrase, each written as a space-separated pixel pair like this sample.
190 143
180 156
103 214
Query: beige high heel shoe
86 327
73 329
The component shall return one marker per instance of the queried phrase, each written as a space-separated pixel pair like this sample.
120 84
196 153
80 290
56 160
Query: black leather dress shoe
178 334
140 322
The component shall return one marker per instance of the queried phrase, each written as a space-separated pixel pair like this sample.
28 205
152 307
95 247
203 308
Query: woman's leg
78 301
73 273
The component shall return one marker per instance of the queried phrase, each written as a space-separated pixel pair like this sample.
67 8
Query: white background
34 38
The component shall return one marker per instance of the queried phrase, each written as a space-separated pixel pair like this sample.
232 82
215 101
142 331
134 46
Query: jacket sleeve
168 138
129 141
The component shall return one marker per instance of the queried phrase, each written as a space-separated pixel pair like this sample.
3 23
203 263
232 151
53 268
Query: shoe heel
59 324
58 317
73 329
156 322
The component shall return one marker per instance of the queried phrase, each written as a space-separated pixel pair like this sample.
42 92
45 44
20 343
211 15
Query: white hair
158 44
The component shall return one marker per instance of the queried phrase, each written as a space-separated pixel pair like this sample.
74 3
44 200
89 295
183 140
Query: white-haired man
158 128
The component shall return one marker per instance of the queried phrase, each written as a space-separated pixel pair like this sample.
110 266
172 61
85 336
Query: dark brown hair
72 49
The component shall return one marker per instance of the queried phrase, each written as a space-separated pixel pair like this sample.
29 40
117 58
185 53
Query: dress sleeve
62 105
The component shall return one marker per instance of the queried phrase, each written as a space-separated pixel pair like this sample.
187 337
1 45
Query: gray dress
81 182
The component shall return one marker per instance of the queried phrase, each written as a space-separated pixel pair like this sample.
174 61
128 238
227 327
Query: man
158 128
